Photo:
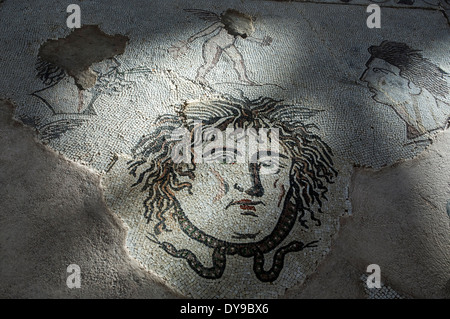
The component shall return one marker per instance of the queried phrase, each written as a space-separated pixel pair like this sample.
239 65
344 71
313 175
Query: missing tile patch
80 49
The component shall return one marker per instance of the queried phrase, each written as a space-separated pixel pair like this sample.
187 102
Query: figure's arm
205 32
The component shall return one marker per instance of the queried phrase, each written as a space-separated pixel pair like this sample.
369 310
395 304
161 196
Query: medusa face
237 202
384 81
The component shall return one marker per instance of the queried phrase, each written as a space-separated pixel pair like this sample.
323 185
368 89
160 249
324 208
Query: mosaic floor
219 229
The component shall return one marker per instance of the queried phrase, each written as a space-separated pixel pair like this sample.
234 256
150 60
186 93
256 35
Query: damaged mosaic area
224 230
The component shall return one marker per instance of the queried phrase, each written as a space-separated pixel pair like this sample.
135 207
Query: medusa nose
256 189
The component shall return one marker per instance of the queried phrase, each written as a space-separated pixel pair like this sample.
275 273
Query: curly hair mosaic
220 228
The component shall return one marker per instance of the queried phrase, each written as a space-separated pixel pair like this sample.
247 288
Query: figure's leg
238 64
211 54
